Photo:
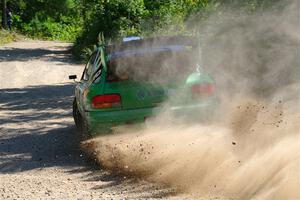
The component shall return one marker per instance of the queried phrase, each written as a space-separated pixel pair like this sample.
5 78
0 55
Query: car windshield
162 63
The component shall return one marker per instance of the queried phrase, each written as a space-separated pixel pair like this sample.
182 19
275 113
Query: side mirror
72 77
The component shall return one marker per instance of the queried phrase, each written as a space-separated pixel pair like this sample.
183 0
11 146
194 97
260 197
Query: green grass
7 37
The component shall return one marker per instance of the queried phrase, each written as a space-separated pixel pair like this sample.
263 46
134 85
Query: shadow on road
57 54
39 149
43 100
35 135
34 132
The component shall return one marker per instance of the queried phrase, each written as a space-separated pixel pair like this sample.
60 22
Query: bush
47 19
7 36
47 28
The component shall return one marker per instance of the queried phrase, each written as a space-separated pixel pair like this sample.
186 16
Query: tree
4 13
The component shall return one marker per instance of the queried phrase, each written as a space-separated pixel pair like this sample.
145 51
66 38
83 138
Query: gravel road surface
39 158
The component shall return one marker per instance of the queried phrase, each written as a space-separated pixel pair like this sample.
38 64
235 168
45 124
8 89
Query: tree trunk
4 14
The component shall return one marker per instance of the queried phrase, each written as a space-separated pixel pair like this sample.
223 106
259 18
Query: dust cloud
252 150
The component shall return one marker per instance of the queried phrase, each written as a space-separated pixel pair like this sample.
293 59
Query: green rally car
131 81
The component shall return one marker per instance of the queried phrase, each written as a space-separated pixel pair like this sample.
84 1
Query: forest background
81 21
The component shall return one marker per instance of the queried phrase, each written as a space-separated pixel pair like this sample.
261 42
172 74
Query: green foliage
120 18
48 19
114 18
7 36
46 27
82 20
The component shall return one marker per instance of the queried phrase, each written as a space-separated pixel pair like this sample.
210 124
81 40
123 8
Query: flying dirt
252 149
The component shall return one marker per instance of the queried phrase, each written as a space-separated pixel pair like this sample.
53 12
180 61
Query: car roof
143 51
151 45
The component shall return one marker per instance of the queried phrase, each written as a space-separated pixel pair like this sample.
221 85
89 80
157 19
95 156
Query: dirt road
38 155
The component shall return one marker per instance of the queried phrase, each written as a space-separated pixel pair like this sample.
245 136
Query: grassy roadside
7 37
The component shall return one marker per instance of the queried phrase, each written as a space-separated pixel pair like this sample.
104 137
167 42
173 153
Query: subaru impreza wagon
129 82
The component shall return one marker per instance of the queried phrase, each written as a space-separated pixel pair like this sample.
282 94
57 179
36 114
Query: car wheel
81 124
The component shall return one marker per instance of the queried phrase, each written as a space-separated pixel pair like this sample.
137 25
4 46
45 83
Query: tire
81 124
76 114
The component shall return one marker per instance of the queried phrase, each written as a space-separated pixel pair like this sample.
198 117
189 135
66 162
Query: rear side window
88 68
97 68
97 74
93 68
